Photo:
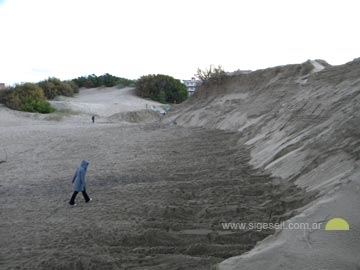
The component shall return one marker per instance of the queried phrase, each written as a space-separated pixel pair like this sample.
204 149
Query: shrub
161 88
26 97
211 75
40 106
74 86
3 95
53 87
49 89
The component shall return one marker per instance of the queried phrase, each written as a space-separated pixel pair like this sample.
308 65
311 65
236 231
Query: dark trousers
86 197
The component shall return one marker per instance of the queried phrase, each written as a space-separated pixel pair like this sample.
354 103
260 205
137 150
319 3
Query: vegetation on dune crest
54 87
27 97
161 88
106 80
30 97
211 75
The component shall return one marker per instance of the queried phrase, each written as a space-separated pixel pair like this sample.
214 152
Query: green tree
162 88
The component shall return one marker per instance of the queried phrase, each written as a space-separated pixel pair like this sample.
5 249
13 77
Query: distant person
93 119
80 183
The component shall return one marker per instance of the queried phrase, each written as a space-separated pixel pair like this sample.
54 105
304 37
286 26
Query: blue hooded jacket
79 177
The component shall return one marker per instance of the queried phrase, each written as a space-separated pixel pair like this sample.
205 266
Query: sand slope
301 123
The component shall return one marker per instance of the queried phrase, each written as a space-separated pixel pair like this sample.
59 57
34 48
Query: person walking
79 182
93 119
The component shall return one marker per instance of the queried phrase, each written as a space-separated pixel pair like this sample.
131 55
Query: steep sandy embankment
301 123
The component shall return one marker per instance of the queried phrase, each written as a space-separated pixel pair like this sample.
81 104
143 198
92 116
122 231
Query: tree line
106 80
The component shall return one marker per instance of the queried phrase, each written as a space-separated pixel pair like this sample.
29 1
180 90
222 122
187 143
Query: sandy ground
266 146
160 191
103 102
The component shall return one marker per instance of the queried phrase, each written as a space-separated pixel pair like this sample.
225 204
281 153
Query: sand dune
301 125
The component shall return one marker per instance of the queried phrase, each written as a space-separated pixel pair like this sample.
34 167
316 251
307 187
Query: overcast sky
130 38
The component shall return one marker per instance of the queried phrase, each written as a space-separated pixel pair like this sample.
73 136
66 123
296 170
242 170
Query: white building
2 86
191 85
